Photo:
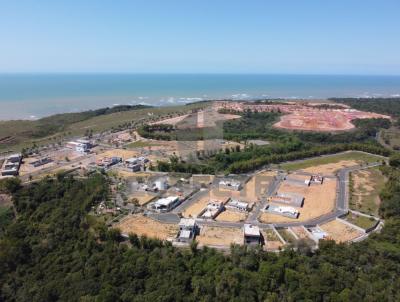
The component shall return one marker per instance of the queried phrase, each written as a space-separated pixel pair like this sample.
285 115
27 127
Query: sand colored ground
27 168
217 236
204 118
171 121
300 232
272 241
231 216
330 169
339 231
253 189
301 177
142 225
315 120
128 174
200 204
124 154
142 197
323 120
318 200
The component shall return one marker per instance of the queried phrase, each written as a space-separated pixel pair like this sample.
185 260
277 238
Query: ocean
31 96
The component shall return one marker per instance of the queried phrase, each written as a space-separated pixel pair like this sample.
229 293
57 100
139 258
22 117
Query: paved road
272 188
341 206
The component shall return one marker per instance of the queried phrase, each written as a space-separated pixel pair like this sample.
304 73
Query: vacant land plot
124 154
254 188
231 216
195 209
339 231
391 137
330 164
323 120
171 121
144 226
318 200
271 239
301 232
26 166
217 236
365 186
142 198
141 144
205 118
286 235
360 221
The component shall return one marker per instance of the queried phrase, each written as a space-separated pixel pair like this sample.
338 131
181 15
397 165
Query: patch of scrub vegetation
360 157
141 144
360 221
365 186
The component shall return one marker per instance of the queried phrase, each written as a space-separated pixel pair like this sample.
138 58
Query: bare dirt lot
205 118
318 200
300 232
231 216
217 236
330 169
142 225
323 120
272 241
142 197
124 154
339 231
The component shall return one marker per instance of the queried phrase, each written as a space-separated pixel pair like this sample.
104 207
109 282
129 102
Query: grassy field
391 137
365 187
15 135
286 235
353 155
360 221
141 144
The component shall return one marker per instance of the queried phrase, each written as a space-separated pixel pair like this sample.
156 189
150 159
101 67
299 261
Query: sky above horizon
188 36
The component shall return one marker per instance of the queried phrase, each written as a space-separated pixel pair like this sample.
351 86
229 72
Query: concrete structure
283 211
9 172
317 179
161 184
298 182
212 210
251 234
230 185
237 205
166 204
187 230
15 158
292 199
41 162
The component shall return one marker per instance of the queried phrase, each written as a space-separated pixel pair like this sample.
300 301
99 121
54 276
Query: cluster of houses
11 165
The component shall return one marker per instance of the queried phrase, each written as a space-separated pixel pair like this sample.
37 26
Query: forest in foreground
51 249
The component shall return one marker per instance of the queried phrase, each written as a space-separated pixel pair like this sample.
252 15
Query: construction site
272 209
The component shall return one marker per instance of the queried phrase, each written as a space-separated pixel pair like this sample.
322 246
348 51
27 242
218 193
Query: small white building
166 204
251 234
230 185
187 229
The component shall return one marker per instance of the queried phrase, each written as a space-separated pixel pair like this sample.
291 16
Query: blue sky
201 36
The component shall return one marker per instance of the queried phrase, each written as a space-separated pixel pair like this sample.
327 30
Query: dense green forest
255 157
54 251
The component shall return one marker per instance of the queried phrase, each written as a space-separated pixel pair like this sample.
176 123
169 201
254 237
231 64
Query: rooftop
251 230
